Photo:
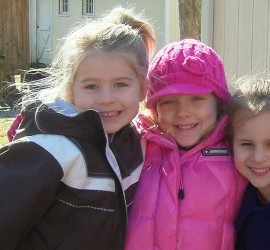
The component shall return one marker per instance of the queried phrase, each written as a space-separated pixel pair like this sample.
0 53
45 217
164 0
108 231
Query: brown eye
91 86
246 144
197 98
167 101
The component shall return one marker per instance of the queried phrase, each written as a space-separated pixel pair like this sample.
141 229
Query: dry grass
5 123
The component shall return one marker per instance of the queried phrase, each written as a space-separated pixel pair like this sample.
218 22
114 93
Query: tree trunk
190 18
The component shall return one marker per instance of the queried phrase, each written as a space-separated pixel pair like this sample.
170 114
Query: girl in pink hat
190 191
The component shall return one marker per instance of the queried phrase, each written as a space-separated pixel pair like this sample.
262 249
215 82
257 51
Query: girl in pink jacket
189 192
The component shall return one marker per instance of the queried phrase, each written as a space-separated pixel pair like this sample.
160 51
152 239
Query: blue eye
120 85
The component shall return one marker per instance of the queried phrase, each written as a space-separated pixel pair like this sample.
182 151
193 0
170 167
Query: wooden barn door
14 37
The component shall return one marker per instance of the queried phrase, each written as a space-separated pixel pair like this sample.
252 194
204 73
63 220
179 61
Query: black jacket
62 187
253 223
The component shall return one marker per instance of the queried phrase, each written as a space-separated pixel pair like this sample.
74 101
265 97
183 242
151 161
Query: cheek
76 97
75 94
210 121
163 114
83 103
239 156
162 117
163 121
212 109
213 112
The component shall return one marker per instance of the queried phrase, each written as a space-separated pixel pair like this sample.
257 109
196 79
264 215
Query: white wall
240 32
162 13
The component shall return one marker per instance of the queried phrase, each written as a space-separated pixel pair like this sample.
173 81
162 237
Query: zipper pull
181 194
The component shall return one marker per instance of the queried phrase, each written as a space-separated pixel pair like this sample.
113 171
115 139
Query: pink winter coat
204 218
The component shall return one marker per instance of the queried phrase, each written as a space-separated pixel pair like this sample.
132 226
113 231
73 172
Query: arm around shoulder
28 182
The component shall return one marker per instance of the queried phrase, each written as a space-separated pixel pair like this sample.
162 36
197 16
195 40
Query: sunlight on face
105 82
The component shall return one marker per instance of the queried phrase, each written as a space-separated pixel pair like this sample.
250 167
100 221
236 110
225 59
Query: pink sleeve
14 126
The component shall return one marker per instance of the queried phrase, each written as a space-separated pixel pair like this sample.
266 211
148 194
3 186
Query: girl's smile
186 127
259 171
251 145
187 118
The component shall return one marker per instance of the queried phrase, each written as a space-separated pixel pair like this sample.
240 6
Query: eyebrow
242 138
114 79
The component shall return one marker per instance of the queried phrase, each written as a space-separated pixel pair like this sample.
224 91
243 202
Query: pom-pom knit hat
188 67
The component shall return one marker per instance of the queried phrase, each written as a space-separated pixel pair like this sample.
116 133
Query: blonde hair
120 31
251 97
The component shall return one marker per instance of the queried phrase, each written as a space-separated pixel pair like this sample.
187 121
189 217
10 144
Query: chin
188 145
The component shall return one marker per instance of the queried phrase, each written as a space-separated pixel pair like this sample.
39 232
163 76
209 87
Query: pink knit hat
186 67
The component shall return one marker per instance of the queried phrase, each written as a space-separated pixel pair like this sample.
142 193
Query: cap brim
177 89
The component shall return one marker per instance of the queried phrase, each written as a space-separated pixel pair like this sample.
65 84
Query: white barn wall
239 30
245 37
207 15
163 14
231 37
171 17
261 30
240 34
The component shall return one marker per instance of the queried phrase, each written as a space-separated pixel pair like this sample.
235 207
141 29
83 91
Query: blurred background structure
239 30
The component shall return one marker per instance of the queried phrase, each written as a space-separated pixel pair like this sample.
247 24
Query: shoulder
68 155
60 147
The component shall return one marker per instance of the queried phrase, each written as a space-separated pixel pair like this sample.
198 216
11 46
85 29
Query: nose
259 155
182 110
106 96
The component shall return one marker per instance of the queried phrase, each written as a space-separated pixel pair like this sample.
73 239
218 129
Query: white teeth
260 170
106 114
186 126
